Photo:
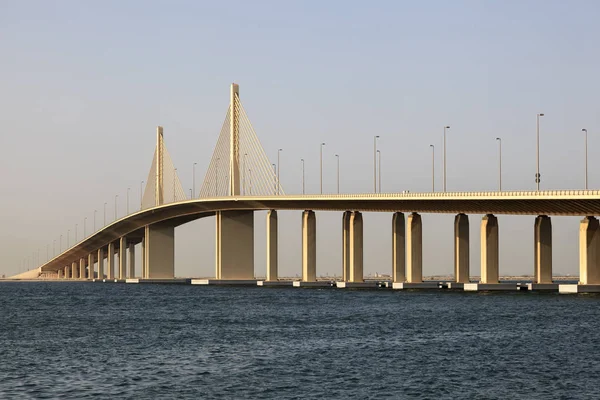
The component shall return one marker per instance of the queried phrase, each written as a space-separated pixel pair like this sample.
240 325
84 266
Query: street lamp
537 153
338 172
322 144
191 195
375 163
445 127
499 163
194 180
432 168
116 197
302 160
586 158
379 168
278 171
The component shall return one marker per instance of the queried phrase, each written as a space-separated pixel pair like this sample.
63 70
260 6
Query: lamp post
191 195
379 168
278 172
445 127
338 173
194 180
322 144
375 163
116 197
141 194
499 163
537 151
586 158
432 168
303 191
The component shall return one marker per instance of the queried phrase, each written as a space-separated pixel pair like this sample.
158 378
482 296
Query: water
83 340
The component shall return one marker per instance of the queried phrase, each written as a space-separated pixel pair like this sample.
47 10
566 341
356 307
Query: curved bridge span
133 227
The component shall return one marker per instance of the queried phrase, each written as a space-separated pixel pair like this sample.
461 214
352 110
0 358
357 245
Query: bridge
240 180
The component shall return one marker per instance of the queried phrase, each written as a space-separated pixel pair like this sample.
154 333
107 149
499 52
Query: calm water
82 340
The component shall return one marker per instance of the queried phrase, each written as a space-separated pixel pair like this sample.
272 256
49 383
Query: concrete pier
131 273
74 270
542 249
398 248
90 266
81 268
234 245
100 263
122 258
272 249
589 251
489 249
356 247
61 274
414 249
346 245
309 246
110 261
461 248
67 270
159 251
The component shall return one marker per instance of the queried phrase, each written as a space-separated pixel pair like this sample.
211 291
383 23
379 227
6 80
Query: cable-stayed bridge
240 180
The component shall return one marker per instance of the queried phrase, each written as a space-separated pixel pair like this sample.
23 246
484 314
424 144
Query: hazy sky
84 84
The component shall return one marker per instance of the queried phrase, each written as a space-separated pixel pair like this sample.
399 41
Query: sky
83 86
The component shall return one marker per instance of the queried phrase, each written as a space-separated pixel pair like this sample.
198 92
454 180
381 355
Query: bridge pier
356 247
101 263
398 248
91 266
589 251
414 249
122 257
74 271
309 246
131 260
159 251
489 249
235 245
272 250
461 248
542 249
346 245
60 274
110 261
67 270
82 268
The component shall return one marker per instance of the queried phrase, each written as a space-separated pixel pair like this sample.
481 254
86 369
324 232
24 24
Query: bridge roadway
565 203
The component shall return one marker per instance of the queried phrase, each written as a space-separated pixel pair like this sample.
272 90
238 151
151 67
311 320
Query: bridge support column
414 249
589 251
356 247
122 257
398 247
74 270
110 261
131 260
159 251
91 266
82 268
461 248
346 246
67 272
309 246
272 251
542 233
235 245
61 274
100 263
144 270
489 249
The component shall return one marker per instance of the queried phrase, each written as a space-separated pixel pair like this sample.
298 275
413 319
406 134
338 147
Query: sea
80 340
